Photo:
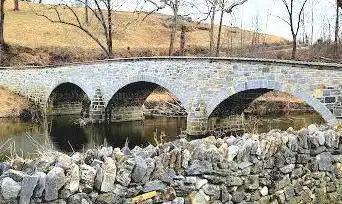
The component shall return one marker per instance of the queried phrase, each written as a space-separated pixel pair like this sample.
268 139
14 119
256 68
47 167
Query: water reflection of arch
276 86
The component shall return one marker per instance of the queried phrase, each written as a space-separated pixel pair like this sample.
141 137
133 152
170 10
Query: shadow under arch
276 86
131 97
171 88
68 92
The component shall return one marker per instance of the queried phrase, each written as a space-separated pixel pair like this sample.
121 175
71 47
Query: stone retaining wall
278 167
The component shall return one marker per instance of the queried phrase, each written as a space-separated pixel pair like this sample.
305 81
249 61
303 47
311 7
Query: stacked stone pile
277 167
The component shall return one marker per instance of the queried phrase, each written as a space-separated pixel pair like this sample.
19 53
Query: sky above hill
259 15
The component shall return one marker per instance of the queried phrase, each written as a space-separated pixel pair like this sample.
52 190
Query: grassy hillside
25 29
10 104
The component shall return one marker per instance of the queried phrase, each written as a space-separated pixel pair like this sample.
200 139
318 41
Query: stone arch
294 90
56 85
172 88
85 100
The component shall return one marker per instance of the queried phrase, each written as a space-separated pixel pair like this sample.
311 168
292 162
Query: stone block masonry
302 166
200 84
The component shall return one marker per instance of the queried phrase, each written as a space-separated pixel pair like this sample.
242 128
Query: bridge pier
97 107
197 120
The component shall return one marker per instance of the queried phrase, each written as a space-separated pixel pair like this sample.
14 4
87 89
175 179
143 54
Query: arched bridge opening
68 99
139 99
263 109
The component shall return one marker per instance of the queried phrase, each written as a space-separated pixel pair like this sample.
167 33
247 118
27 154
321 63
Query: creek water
63 134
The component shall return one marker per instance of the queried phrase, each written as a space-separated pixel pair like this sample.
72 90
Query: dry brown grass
10 103
26 29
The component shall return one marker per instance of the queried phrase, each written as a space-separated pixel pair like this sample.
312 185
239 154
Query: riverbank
302 166
11 105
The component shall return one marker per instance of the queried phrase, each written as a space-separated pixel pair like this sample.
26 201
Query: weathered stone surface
199 197
238 197
87 178
178 200
40 187
79 198
232 152
332 139
63 161
109 175
150 168
77 158
287 169
10 188
155 185
168 194
212 190
107 198
235 181
199 167
252 182
27 186
15 175
4 167
125 169
139 170
285 181
199 183
55 179
73 178
324 161
264 191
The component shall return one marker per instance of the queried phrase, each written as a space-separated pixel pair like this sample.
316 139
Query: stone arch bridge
200 84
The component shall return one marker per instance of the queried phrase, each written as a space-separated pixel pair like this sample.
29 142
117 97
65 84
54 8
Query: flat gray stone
27 187
109 175
10 188
55 180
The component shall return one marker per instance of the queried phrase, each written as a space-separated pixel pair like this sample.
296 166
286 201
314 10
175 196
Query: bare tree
212 24
174 6
2 18
291 21
312 22
16 5
102 10
225 7
337 24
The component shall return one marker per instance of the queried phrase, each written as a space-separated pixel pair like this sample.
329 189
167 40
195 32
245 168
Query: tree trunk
16 5
212 22
182 41
86 12
40 1
336 29
294 47
110 33
174 28
2 18
218 46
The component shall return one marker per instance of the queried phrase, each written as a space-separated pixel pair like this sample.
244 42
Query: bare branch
77 25
300 15
233 5
281 18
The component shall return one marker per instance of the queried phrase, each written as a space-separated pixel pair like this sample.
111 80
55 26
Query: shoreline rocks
276 167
